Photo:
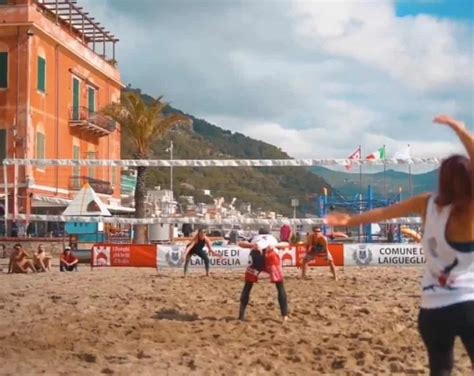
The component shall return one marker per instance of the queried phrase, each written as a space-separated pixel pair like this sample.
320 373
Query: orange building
57 69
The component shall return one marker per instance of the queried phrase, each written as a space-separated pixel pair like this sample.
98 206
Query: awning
120 209
48 202
45 201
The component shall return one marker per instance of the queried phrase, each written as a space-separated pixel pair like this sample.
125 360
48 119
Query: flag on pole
355 155
377 155
403 153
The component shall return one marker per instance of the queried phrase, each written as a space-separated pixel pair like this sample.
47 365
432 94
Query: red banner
134 255
337 252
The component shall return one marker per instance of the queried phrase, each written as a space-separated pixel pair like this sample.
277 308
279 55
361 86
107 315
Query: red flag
355 155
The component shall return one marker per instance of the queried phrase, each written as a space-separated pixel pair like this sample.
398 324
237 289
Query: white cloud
316 81
421 52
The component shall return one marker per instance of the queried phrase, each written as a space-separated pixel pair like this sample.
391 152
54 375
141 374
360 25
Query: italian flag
379 154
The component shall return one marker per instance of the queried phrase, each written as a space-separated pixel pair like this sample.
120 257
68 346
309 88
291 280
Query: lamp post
294 204
170 149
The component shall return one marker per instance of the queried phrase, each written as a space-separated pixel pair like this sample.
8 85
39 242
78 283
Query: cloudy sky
316 78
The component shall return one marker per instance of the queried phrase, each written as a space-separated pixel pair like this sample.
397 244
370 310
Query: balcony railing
99 186
92 122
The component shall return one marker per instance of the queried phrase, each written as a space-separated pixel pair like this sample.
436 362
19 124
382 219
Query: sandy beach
140 322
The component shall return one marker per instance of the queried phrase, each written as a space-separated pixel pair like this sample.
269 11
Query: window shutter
3 144
40 145
41 74
3 70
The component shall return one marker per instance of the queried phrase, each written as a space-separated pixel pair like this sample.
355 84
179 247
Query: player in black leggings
263 259
196 247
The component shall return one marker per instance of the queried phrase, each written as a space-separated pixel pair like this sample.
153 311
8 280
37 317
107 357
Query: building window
76 98
40 145
92 155
114 175
76 171
3 70
41 74
91 100
3 144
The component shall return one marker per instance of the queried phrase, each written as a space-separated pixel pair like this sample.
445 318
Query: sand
140 322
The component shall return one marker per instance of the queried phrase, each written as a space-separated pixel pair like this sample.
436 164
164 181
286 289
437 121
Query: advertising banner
132 255
403 254
171 256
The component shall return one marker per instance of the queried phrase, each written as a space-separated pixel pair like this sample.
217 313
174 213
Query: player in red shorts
263 259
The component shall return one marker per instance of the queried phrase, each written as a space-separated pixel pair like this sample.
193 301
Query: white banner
403 254
192 220
226 257
171 256
218 162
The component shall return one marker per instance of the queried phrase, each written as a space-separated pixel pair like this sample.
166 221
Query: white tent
87 203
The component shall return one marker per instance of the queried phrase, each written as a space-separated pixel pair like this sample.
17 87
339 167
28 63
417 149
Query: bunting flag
355 155
377 155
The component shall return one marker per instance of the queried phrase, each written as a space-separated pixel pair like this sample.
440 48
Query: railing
82 114
99 186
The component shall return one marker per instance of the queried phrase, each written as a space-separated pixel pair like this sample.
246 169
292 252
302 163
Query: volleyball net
41 189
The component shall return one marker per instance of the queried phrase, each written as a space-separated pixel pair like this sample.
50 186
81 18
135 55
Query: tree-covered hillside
263 188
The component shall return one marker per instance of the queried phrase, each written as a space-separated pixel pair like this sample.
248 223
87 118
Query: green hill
264 188
349 183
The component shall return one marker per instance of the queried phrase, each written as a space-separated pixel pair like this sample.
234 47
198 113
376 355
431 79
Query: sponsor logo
362 255
174 257
101 256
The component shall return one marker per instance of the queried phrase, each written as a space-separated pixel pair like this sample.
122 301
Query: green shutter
3 144
92 155
76 154
75 99
41 74
3 70
91 100
114 176
40 145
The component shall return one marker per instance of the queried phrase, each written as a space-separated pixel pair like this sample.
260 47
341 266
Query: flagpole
360 170
360 190
384 173
410 188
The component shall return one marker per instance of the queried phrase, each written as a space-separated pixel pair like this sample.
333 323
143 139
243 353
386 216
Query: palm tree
143 124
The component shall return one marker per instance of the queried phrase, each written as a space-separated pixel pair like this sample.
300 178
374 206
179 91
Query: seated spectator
42 260
68 262
286 233
19 262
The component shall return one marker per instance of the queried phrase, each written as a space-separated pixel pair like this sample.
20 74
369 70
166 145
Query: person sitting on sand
263 259
42 260
19 262
68 262
447 298
317 246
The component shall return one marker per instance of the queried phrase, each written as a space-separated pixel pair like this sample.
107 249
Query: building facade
57 70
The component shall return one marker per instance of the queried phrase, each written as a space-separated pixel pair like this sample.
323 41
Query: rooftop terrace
70 15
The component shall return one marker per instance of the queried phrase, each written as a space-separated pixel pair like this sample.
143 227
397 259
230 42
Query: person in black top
196 247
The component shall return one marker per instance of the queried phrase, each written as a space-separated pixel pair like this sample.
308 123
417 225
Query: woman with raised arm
447 299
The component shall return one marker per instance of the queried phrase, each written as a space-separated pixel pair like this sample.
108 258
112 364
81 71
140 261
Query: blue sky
315 78
455 9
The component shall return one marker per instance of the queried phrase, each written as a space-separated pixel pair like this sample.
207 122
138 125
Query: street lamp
170 149
294 204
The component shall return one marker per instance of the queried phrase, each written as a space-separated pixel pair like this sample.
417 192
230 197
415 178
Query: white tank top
449 274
